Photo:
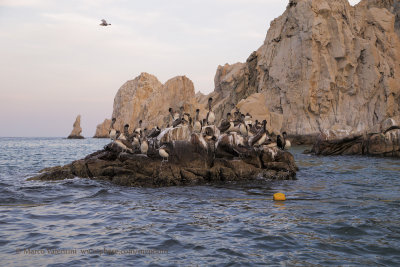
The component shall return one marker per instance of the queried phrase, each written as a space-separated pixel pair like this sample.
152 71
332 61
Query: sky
57 62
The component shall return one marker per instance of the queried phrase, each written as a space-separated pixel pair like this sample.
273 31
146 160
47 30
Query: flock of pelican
236 132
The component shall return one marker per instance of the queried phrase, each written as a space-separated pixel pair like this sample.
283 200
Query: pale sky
57 62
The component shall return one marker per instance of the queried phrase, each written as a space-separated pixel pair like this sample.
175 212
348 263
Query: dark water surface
342 211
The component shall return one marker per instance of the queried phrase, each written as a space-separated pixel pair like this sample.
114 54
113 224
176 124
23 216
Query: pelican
279 142
154 132
104 23
287 142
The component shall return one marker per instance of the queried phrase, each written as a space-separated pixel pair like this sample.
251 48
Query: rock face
76 131
187 165
384 143
102 129
146 99
323 65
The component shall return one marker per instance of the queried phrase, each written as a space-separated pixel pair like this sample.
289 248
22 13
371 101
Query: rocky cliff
102 129
323 65
76 131
146 98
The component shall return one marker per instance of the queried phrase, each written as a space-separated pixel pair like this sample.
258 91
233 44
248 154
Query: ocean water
340 211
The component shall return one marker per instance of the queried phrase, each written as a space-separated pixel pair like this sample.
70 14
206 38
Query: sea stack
76 131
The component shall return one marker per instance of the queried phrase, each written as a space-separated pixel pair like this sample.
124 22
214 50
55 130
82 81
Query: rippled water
341 211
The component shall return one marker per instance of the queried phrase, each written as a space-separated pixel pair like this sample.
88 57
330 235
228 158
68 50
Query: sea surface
342 210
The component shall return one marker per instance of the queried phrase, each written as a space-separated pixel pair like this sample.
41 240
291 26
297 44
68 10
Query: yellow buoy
279 197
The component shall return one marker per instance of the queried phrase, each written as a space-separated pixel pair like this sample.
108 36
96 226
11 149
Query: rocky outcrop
102 129
147 99
324 65
385 143
76 131
187 165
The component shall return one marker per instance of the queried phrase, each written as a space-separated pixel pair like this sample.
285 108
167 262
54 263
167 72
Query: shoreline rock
187 165
385 142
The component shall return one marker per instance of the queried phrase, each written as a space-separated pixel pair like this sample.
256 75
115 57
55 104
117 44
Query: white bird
163 151
104 23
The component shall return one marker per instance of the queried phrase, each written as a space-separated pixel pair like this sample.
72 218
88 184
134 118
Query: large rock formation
187 165
145 98
323 65
76 131
102 129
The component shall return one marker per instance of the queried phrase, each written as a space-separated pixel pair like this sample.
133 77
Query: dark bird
177 122
260 137
280 143
209 134
154 132
104 23
226 124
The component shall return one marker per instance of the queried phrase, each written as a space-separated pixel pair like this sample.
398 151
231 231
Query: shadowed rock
188 164
385 144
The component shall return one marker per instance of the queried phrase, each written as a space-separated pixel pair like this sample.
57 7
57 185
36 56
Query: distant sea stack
323 65
102 129
76 131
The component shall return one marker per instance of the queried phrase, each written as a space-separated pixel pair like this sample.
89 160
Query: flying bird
104 23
